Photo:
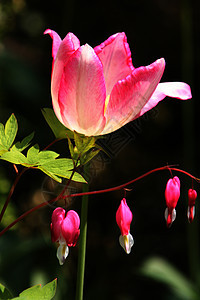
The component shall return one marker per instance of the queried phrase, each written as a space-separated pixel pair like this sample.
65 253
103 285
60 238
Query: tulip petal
178 90
64 48
82 92
115 56
56 41
61 52
130 95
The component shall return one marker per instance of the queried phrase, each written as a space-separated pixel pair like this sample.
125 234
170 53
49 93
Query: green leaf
84 146
50 174
20 146
88 156
4 293
84 143
11 128
59 130
14 157
36 157
2 134
8 134
32 155
77 177
57 168
67 174
59 165
61 168
46 156
2 149
37 292
73 150
71 147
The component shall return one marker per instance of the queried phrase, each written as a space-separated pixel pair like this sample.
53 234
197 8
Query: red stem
119 187
17 179
11 192
38 206
51 144
61 196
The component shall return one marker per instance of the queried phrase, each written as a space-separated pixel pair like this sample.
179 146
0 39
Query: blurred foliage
27 256
159 269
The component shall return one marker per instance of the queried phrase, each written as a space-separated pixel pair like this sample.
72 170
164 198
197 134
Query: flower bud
124 218
172 194
192 195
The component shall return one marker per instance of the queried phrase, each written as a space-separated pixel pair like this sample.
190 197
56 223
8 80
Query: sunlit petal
115 56
178 90
130 95
82 92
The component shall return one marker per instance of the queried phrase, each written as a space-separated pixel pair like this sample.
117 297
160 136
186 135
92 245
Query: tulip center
106 103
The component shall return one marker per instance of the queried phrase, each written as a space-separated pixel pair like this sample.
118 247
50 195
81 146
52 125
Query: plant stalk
82 245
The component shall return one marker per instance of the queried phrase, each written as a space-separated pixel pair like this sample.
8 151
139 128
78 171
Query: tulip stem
82 245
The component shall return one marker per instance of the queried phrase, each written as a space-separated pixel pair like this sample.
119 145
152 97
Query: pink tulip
65 231
124 218
192 195
97 91
172 194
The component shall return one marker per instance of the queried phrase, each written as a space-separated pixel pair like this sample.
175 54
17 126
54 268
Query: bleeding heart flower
65 231
192 195
172 194
97 91
124 218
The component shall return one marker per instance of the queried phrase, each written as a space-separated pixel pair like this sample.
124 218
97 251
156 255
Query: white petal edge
188 211
62 253
126 242
173 214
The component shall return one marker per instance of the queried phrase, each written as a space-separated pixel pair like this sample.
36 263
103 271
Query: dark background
169 134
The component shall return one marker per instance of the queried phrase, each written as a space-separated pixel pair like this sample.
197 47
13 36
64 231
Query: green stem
189 142
82 246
